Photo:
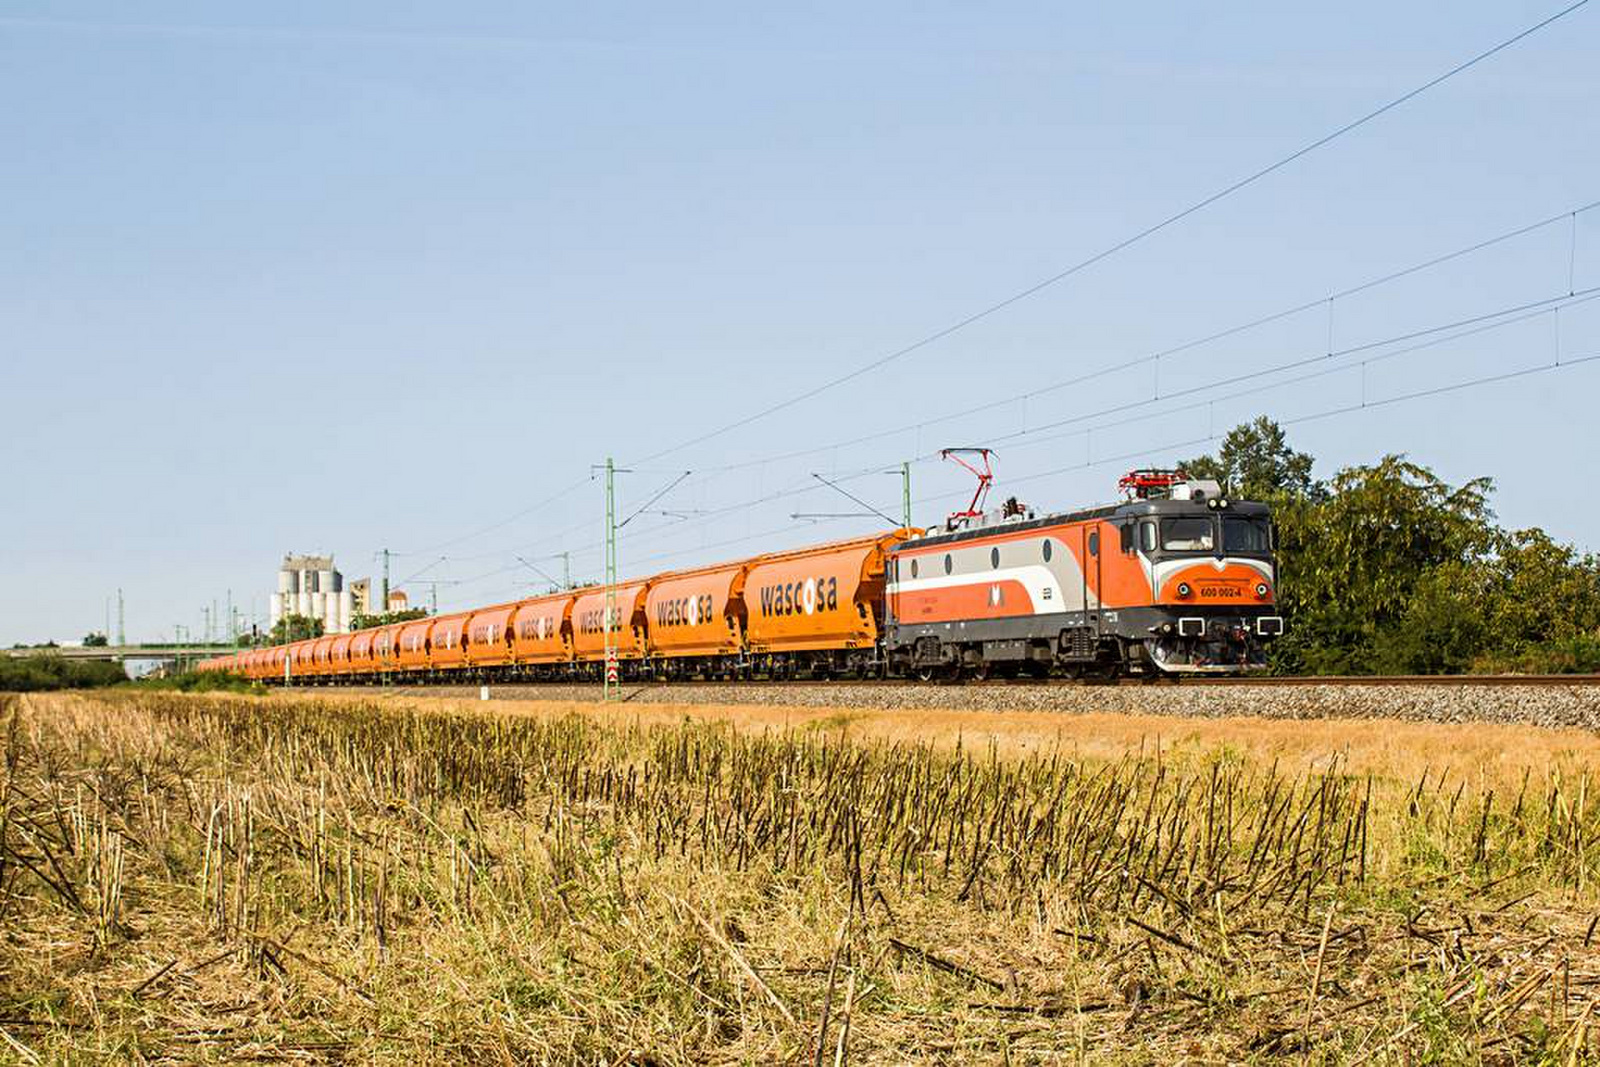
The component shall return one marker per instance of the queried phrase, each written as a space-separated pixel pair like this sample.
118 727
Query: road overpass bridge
168 653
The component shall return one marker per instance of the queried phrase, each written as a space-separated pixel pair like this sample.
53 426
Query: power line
1230 331
1127 242
1491 318
551 499
1480 323
1323 373
1184 346
1148 451
1169 447
1363 286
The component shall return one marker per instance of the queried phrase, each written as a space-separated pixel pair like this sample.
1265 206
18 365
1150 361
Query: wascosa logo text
594 622
684 611
796 598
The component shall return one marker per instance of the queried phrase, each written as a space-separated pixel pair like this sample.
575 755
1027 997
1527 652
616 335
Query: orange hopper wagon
413 643
695 619
488 642
447 645
627 632
827 599
540 631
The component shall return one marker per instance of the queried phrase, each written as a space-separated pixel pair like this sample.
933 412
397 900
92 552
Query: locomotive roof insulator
1151 483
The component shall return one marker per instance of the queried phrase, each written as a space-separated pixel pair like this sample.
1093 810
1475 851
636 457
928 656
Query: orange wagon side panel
339 654
825 597
386 647
589 623
697 613
361 657
539 630
489 636
413 641
447 642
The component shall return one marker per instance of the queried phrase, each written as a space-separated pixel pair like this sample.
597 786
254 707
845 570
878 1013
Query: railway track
1527 700
1263 681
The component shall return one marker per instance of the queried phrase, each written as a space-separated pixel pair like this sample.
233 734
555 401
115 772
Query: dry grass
1492 756
207 878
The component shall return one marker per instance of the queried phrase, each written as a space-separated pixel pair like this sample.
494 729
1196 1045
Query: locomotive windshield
1196 534
1245 535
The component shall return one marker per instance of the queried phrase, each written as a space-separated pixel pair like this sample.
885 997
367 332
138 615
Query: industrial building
310 586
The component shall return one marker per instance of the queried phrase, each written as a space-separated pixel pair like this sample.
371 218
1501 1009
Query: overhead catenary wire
1166 448
1111 250
1481 320
529 510
1570 215
1183 346
1387 277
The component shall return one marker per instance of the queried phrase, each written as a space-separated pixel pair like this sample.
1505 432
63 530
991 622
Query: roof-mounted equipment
1151 483
984 474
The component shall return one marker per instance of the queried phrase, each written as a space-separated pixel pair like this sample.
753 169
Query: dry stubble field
344 879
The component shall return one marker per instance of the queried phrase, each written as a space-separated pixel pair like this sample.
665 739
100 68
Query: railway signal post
611 687
905 493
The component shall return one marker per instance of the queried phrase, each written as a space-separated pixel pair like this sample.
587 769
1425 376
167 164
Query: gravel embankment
1550 706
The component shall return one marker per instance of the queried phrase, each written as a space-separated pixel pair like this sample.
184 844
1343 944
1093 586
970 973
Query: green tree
294 628
96 640
1255 462
1351 566
367 622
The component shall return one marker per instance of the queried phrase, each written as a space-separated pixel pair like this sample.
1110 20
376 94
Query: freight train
1177 579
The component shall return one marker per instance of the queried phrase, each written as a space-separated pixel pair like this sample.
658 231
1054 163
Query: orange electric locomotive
1177 579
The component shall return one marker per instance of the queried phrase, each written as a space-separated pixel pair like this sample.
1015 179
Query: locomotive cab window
1245 535
1094 543
1147 536
1195 534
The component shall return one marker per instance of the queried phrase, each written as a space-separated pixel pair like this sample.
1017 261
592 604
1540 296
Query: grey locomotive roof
1131 509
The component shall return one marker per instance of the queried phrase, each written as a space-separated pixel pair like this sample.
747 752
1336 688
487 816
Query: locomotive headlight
1183 589
1262 590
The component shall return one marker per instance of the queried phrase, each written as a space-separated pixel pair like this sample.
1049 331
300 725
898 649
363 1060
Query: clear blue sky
340 276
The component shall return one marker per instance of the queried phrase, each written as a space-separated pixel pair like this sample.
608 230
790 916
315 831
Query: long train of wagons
1177 579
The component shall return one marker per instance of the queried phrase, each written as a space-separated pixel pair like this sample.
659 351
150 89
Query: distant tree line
1387 569
303 627
33 674
367 622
